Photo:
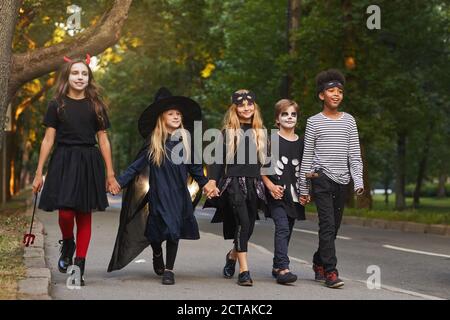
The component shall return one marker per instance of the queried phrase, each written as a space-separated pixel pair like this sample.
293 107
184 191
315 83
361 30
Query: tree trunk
25 172
8 16
14 165
24 67
349 43
422 168
386 191
400 175
441 187
350 197
423 164
293 21
365 200
21 161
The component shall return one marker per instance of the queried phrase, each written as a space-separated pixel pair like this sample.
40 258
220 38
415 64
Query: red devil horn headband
88 59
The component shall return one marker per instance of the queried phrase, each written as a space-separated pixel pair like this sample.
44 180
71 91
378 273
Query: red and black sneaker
319 273
332 280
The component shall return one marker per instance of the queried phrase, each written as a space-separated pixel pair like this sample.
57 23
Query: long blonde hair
232 126
157 151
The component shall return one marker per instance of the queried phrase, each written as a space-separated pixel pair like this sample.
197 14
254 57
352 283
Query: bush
428 190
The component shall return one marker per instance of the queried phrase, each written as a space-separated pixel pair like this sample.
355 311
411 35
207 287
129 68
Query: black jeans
329 197
283 231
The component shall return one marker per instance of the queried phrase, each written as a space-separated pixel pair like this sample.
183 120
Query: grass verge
13 225
431 210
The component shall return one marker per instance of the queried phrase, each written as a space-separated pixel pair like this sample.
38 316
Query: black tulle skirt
75 180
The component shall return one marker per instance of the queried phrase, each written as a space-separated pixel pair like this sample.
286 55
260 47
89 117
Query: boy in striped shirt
331 157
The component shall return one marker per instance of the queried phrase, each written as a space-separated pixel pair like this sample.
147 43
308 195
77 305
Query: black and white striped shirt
332 145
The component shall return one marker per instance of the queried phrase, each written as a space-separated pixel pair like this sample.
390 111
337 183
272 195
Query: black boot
230 266
168 277
67 250
244 279
80 262
158 264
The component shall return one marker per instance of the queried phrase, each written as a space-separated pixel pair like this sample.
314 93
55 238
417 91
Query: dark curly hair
328 76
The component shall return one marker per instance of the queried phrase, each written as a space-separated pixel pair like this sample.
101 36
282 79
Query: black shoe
244 279
158 264
275 273
332 280
286 278
80 263
168 277
230 267
67 250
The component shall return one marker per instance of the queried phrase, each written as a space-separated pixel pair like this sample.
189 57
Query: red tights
66 224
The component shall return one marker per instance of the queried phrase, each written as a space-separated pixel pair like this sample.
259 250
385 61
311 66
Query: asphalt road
404 275
424 270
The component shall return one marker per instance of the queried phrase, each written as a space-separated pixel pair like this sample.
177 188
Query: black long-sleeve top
249 165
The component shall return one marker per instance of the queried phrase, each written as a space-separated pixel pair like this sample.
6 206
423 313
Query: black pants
171 252
283 231
244 209
329 197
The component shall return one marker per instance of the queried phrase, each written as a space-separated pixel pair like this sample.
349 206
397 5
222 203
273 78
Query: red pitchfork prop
28 238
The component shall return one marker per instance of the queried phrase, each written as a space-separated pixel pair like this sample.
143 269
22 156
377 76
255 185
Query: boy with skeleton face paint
283 189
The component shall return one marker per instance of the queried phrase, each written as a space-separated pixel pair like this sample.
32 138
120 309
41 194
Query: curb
405 226
36 285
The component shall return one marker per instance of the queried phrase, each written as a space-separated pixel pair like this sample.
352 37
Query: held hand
114 189
210 189
37 183
304 199
359 191
113 186
214 193
276 192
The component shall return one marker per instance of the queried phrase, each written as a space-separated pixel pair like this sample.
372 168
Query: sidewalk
198 272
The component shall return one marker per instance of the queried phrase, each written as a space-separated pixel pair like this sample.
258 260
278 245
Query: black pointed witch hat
164 100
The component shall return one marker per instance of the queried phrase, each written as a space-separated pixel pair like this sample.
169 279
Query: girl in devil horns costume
75 181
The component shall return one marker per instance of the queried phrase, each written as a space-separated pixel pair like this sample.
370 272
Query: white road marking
140 261
399 290
264 250
315 233
416 251
200 213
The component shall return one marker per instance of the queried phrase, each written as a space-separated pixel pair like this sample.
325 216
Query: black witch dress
76 174
167 206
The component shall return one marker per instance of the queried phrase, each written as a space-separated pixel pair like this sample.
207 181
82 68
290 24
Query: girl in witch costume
240 184
283 188
75 181
170 213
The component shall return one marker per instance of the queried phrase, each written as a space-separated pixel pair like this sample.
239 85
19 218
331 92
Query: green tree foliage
397 77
